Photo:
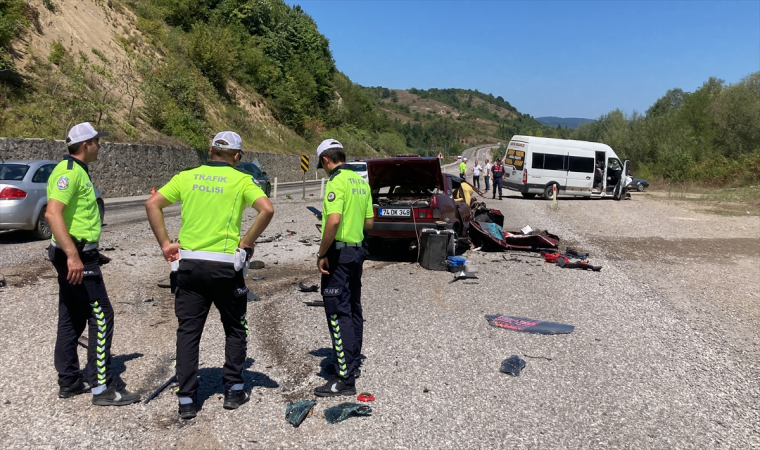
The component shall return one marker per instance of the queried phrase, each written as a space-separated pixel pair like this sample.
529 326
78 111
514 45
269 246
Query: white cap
82 132
327 144
229 139
464 159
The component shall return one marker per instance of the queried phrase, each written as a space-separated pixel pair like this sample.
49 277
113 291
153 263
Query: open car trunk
411 173
406 195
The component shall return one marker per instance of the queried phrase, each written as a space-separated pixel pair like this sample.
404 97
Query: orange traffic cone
152 191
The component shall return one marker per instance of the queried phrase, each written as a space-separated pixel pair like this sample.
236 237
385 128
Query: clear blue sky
547 58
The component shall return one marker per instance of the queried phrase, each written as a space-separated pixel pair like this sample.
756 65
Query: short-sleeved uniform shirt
70 184
213 197
348 194
462 167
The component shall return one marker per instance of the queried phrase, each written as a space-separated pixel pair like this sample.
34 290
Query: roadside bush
213 50
13 23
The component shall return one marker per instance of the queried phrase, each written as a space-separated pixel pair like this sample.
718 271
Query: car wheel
640 187
527 195
101 210
42 229
549 191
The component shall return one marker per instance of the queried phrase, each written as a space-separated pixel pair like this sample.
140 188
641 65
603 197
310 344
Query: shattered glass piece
345 410
252 297
295 413
512 365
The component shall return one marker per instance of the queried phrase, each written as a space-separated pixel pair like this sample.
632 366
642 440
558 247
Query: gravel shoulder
664 354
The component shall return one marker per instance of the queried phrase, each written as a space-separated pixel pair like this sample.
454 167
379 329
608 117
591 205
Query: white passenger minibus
535 165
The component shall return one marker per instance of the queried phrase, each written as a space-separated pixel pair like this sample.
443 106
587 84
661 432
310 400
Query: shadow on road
211 381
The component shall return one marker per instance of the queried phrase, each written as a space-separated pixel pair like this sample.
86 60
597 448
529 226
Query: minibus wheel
549 191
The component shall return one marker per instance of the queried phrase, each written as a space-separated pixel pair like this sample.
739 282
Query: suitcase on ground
435 246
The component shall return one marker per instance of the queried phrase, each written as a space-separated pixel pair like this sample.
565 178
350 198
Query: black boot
335 387
78 387
233 399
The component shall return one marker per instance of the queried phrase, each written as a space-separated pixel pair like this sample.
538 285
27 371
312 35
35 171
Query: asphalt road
664 354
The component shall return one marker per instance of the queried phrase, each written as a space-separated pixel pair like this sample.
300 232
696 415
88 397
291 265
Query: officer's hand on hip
171 252
323 265
248 249
76 269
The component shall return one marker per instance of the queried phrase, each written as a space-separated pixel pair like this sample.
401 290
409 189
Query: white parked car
23 196
360 167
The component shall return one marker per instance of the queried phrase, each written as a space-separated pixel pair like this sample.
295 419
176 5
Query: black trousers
476 181
201 283
82 304
497 183
342 292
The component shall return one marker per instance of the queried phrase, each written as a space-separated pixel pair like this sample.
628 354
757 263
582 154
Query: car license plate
395 212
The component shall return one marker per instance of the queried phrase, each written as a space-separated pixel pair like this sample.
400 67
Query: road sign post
304 169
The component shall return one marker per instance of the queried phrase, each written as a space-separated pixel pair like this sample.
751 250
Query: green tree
214 51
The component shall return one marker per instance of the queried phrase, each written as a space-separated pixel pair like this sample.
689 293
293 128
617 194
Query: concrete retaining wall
132 169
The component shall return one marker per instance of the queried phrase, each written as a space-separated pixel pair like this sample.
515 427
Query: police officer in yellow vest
347 212
73 216
210 256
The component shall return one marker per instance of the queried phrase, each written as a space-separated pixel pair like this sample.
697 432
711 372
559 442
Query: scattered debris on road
296 413
512 365
528 325
311 288
345 410
463 276
365 397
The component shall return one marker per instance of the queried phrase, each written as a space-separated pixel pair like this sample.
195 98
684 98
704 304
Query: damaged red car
411 193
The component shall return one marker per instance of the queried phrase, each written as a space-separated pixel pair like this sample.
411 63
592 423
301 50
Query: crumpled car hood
412 172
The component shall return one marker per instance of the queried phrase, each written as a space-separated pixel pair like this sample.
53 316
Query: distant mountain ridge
566 122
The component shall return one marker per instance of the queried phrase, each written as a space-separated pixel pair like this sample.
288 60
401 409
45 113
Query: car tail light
434 206
525 176
423 213
11 193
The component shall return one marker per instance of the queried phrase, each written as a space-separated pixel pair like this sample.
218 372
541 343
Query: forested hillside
711 135
173 71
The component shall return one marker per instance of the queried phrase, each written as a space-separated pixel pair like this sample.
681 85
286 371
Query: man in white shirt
487 176
476 169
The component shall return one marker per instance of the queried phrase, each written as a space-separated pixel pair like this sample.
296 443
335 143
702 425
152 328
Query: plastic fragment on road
463 276
566 264
318 303
512 365
295 413
345 410
528 325
304 288
253 297
365 397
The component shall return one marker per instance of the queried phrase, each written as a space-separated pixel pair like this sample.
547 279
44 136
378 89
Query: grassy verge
739 201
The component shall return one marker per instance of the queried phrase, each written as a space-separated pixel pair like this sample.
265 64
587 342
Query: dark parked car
639 184
23 196
411 193
259 177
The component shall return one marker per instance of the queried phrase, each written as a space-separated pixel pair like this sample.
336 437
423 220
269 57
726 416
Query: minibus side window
555 162
581 164
538 161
